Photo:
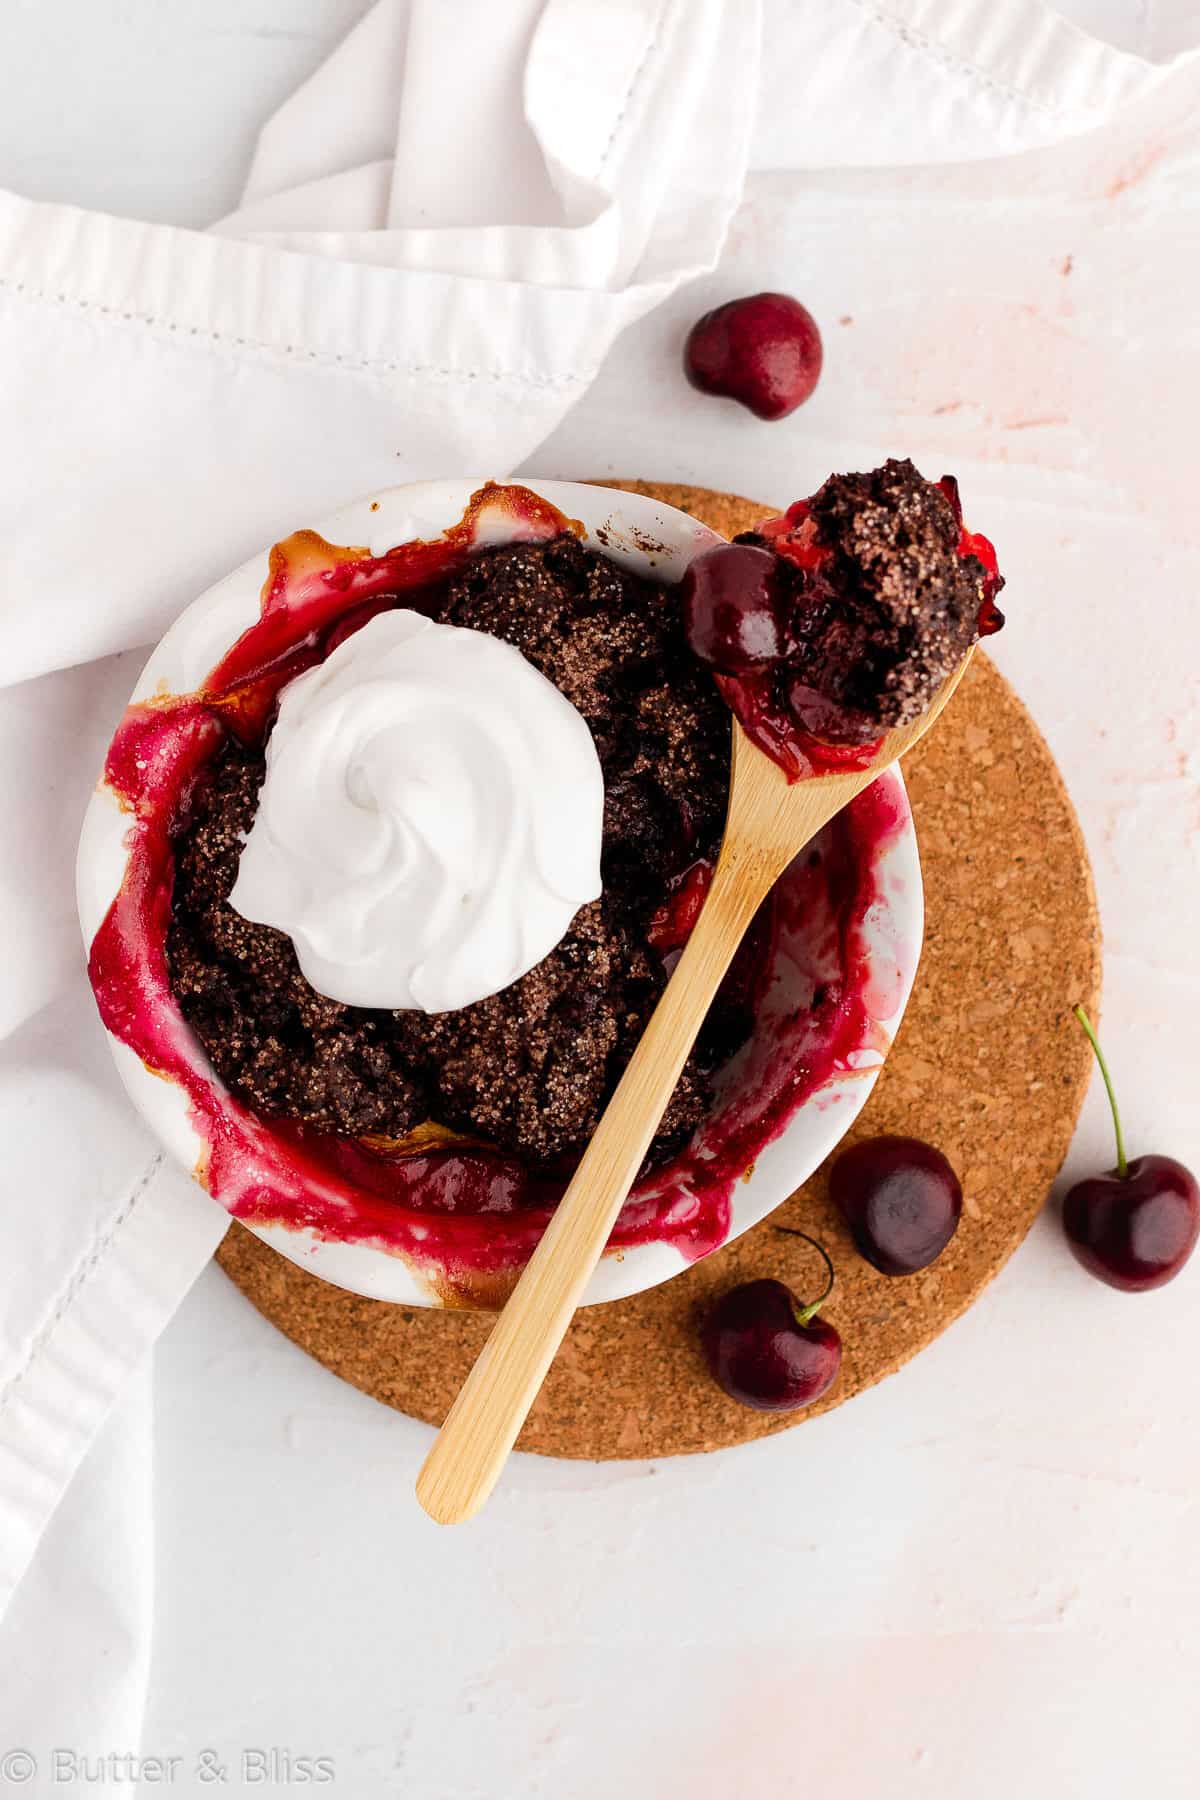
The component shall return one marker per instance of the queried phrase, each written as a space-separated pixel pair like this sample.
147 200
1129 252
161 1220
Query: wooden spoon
768 823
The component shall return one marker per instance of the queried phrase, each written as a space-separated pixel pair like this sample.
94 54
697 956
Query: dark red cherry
1135 1230
901 1200
1135 1226
767 1350
732 609
763 350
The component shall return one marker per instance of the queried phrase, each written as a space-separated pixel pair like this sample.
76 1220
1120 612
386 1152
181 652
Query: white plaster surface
983 1578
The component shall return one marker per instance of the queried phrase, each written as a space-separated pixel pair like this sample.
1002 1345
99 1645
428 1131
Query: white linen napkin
174 402
442 235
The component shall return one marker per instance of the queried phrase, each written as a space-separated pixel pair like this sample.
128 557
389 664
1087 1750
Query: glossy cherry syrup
467 1216
763 351
767 1349
901 1199
1135 1226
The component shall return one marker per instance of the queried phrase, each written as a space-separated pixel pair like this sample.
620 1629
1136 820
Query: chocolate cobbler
530 1068
824 628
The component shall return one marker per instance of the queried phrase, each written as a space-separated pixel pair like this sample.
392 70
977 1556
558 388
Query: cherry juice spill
463 1214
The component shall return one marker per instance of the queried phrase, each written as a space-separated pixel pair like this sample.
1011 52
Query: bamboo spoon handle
768 823
482 1425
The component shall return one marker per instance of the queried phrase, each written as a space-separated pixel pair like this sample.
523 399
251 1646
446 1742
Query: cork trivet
988 1065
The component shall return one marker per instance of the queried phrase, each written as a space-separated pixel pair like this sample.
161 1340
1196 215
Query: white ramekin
652 539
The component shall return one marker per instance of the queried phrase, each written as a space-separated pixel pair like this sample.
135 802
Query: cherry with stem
767 1349
1135 1226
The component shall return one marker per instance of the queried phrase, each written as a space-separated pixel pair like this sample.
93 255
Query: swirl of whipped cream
430 819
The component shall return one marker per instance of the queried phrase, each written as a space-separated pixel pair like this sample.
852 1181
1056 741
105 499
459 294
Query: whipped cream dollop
430 821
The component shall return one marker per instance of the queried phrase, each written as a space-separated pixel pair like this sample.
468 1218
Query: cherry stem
806 1314
1094 1041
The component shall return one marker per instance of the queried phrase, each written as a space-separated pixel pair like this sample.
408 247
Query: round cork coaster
988 1065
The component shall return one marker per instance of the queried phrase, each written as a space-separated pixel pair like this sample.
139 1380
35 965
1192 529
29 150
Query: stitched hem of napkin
938 51
83 1270
122 1290
1023 51
644 63
205 289
331 359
